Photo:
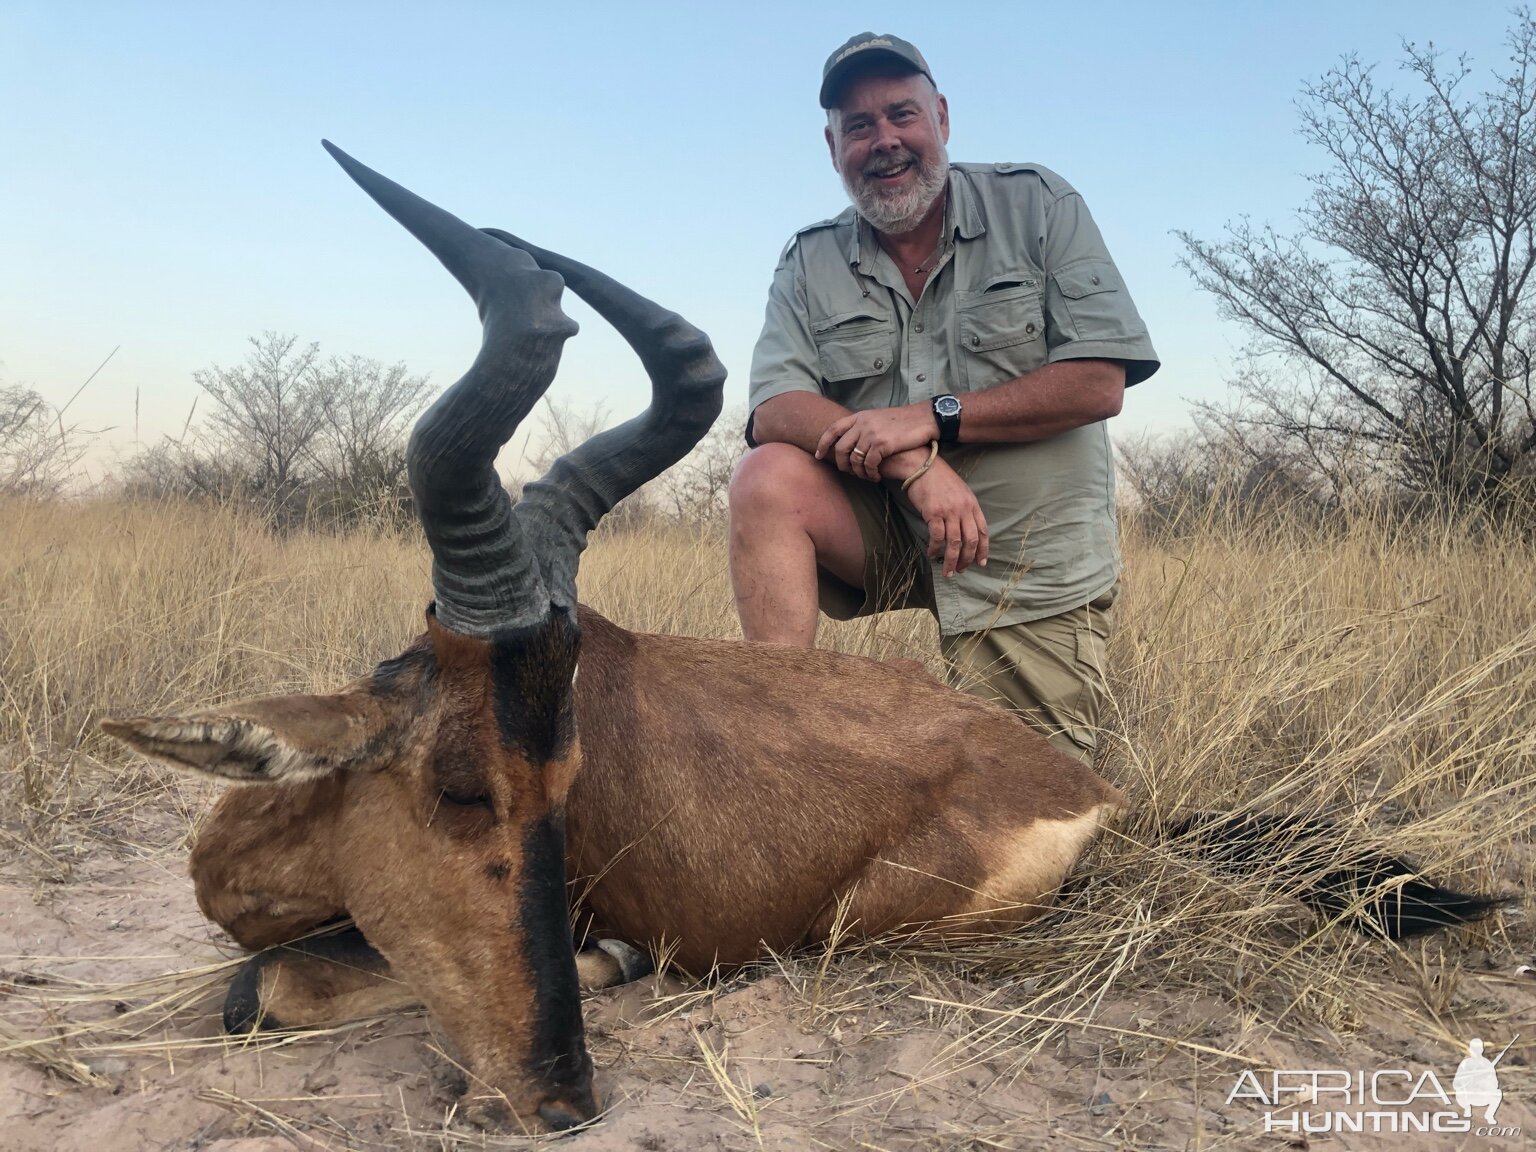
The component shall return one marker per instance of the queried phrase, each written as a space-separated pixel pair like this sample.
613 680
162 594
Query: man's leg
790 514
1051 672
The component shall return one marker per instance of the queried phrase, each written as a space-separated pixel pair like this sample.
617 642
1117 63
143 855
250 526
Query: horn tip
336 153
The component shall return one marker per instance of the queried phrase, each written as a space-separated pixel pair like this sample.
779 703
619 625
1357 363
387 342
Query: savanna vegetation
1328 608
1381 673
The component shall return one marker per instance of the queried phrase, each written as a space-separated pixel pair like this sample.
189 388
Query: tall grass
1381 673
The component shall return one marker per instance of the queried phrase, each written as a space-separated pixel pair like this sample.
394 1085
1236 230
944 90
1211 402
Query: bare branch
1403 302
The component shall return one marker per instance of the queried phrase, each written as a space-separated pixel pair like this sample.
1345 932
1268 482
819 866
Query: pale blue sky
163 187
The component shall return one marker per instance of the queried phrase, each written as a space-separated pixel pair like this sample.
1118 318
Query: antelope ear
283 738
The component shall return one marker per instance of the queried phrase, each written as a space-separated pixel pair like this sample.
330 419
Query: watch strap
949 423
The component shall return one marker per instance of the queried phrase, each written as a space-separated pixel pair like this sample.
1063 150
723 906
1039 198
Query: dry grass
1383 674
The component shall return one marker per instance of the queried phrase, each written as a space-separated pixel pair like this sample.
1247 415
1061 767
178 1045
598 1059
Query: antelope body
717 798
720 805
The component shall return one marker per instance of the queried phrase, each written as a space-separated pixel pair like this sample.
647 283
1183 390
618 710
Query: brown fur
723 799
846 775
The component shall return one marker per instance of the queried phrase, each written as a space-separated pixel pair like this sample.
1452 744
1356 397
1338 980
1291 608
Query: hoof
242 1004
561 1117
344 951
633 963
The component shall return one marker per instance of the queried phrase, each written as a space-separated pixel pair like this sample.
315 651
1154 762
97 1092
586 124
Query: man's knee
773 479
780 492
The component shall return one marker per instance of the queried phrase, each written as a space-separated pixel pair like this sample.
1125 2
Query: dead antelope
722 797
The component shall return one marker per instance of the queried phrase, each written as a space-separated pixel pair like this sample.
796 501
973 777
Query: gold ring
860 452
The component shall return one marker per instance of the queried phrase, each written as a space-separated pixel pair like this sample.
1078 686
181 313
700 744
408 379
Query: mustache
885 165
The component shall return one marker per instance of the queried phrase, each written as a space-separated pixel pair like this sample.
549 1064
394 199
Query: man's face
887 137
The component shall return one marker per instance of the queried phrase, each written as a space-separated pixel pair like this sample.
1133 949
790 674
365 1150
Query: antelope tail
1373 890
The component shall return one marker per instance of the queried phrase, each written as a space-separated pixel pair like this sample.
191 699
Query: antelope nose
563 1115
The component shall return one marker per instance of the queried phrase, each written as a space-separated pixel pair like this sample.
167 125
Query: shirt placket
917 378
879 268
922 356
921 348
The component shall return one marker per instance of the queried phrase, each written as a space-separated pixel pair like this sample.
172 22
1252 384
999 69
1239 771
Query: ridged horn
558 511
485 574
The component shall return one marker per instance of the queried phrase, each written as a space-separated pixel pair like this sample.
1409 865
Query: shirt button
921 376
1095 280
917 327
975 339
879 364
1030 327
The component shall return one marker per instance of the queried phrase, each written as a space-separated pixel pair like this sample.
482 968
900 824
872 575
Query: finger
968 541
935 537
952 542
872 463
845 447
984 540
833 433
859 455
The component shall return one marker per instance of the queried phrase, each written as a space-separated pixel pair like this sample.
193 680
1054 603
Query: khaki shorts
1050 671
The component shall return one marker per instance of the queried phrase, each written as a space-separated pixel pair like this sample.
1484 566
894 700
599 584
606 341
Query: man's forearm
1037 405
887 443
799 418
796 418
1043 403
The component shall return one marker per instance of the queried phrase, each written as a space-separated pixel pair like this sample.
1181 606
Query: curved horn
687 389
484 576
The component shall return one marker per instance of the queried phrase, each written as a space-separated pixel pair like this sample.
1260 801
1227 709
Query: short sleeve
1089 313
784 359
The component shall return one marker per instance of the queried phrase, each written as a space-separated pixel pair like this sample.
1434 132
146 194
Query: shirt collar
966 213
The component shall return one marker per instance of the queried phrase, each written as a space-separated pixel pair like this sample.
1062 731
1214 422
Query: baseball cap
863 49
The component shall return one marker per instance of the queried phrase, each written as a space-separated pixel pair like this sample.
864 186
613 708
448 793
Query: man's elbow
1109 394
774 420
762 428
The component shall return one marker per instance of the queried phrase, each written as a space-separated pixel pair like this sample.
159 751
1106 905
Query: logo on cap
878 42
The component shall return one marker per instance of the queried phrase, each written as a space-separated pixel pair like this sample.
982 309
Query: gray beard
899 212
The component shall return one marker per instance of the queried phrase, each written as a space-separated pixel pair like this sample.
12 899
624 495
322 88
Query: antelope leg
314 982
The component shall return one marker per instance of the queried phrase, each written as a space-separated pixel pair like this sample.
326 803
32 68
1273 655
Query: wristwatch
946 410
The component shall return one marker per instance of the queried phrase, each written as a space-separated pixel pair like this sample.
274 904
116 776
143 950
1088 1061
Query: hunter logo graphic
1325 1100
1477 1082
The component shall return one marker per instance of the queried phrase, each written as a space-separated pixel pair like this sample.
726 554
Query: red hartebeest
723 797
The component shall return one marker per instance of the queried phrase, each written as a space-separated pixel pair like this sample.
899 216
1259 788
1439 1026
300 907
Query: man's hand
858 441
957 530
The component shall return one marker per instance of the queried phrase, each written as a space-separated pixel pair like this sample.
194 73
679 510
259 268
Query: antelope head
429 795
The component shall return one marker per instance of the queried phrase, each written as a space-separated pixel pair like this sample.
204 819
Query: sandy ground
111 982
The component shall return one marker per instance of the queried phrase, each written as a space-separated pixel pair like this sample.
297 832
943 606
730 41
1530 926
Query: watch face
947 406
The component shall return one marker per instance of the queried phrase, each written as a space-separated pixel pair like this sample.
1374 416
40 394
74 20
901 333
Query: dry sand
111 983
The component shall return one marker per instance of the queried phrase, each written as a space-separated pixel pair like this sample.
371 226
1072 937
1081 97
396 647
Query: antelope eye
462 814
466 799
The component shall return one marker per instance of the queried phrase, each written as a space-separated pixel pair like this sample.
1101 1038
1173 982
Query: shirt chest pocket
1090 291
856 353
1001 332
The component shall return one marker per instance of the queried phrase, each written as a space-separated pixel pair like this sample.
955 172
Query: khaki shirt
1025 281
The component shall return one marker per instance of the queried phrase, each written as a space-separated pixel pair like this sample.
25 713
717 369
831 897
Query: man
933 377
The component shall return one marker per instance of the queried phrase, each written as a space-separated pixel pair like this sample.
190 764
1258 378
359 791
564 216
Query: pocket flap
848 322
1087 277
854 346
990 320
